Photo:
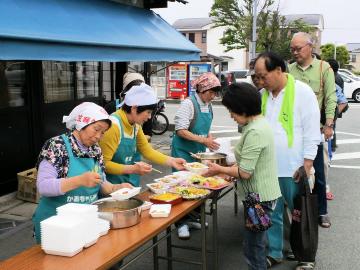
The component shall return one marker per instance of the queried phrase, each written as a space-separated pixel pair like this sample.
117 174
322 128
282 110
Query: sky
341 18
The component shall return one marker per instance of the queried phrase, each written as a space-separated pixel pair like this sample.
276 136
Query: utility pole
335 50
253 38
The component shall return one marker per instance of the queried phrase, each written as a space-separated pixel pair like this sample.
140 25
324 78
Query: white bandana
140 95
85 114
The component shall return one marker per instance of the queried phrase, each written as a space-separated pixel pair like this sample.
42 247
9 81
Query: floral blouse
54 151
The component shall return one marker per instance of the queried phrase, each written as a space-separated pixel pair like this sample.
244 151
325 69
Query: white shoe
196 225
183 232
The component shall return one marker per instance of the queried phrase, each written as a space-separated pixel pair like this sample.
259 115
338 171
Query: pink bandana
205 81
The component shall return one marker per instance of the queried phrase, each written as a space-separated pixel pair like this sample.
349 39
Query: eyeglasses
298 49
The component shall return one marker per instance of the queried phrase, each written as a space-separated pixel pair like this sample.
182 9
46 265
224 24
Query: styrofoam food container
160 210
125 193
201 169
158 187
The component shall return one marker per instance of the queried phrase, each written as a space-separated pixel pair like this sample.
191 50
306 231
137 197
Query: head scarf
140 95
131 76
205 82
85 114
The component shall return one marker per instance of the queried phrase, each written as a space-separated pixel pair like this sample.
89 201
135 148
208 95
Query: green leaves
342 54
273 32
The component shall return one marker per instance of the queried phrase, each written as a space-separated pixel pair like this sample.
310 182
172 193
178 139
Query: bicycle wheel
160 124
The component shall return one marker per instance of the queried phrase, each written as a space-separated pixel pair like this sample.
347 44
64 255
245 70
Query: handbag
304 227
256 219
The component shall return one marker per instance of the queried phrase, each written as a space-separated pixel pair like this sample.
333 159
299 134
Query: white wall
215 48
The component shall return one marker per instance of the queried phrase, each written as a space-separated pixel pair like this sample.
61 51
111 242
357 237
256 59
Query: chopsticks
194 155
153 169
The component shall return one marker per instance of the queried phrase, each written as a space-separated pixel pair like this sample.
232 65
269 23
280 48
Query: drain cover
8 224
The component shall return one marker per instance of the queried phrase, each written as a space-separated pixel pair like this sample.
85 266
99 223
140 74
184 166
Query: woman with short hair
256 164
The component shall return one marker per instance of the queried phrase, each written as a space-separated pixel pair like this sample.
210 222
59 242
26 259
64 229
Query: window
87 77
58 81
224 66
12 84
353 58
203 37
192 37
106 80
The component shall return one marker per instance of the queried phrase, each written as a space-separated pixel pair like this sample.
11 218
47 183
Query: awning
88 30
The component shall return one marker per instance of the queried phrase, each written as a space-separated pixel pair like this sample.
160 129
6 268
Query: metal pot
121 214
218 158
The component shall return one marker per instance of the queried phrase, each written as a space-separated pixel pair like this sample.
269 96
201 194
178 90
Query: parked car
351 87
240 75
349 74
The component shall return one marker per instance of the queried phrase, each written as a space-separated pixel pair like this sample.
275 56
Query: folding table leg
236 203
155 253
215 233
168 247
203 236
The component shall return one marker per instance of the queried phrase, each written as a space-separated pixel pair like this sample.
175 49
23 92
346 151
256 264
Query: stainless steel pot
121 214
219 158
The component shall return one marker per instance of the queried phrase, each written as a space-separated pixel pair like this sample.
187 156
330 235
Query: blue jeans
320 180
289 189
255 243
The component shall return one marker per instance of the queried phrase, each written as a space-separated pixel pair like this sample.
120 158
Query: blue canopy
88 30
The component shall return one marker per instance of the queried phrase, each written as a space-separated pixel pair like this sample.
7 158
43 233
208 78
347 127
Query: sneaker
183 232
196 225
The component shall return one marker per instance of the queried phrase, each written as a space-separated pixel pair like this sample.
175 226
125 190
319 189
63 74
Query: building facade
74 51
354 53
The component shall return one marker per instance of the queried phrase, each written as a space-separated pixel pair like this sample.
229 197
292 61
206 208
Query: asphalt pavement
338 246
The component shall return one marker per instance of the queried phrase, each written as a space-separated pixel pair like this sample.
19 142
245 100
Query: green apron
126 154
47 205
182 147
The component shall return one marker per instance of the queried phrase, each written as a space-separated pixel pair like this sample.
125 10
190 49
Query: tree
342 54
273 31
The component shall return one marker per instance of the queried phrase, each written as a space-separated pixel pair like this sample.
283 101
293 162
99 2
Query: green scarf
286 115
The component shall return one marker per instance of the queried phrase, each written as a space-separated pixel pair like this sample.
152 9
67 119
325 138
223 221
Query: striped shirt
255 154
185 114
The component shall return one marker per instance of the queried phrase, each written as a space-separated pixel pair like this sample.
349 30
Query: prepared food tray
190 192
166 197
169 180
213 183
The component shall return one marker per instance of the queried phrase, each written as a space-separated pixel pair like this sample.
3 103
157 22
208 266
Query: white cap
131 76
85 114
140 95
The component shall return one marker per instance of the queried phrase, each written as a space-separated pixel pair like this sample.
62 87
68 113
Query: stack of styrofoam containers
57 232
89 213
62 235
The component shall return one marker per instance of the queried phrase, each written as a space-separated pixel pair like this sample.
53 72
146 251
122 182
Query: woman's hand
142 168
176 163
210 143
89 179
107 187
116 187
214 169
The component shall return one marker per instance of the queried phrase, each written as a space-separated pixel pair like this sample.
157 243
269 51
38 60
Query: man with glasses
320 77
291 108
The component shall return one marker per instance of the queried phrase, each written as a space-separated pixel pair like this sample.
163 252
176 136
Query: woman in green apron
192 126
70 166
125 139
193 119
